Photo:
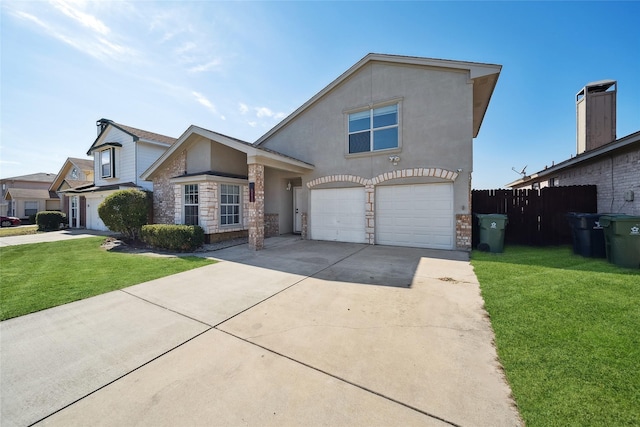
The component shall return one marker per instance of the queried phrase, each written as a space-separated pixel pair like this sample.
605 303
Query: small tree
126 211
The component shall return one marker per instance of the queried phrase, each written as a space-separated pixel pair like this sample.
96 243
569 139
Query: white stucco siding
435 125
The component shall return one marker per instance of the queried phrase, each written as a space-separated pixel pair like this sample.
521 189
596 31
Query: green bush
126 211
184 238
50 220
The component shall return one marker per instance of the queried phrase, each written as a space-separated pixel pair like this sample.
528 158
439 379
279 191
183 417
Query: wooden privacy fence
536 217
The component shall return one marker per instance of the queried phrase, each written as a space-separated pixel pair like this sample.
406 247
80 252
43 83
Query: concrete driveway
301 333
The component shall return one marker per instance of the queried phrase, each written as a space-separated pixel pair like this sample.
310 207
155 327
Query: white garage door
338 214
415 215
94 222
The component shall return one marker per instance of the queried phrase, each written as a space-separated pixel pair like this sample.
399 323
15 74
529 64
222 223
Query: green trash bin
622 239
492 228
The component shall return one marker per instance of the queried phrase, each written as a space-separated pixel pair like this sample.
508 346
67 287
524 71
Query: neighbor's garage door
415 215
338 214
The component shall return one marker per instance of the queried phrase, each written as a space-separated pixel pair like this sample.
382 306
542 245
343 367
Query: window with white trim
30 208
107 163
374 129
229 204
191 204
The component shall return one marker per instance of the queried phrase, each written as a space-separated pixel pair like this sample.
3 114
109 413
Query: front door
297 209
74 212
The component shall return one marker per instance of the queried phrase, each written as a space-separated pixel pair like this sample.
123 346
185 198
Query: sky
238 68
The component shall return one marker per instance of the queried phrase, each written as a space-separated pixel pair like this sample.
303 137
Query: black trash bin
587 235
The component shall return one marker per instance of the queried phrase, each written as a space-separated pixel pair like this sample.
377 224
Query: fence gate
536 217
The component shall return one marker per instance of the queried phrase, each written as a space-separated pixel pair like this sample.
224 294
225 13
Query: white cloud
204 101
93 43
81 17
252 124
266 112
244 109
211 65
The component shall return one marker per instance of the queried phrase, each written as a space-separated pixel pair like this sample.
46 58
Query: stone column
256 207
369 214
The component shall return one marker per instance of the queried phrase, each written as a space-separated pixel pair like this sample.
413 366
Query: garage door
94 222
415 215
338 214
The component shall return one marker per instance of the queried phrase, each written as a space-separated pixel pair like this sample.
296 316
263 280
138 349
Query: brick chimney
596 115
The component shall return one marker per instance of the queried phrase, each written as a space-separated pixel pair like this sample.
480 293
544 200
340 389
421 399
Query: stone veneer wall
256 208
463 231
304 227
164 191
271 225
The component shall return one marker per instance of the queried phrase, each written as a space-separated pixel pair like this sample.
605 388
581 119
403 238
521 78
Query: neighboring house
613 165
382 155
120 154
75 175
26 195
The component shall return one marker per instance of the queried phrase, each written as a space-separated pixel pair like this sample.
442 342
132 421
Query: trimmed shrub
50 220
126 211
183 238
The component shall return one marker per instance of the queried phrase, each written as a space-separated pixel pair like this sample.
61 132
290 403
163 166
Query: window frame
37 208
111 164
372 129
191 198
223 206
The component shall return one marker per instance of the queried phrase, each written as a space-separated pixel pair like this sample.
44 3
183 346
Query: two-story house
120 154
382 155
26 195
75 175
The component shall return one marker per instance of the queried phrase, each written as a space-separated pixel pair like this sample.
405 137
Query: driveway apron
301 333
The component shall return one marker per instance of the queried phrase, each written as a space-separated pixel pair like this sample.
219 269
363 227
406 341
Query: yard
567 334
44 275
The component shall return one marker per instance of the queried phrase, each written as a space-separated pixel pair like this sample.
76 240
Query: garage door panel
338 214
415 215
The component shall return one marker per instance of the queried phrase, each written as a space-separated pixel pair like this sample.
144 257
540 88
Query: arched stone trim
396 174
337 178
409 173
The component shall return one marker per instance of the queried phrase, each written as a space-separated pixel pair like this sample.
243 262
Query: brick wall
163 191
463 231
271 225
613 175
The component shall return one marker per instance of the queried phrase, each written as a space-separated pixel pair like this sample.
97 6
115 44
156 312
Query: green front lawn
43 275
567 332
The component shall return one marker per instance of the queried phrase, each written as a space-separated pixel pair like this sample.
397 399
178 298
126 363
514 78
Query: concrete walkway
300 333
51 236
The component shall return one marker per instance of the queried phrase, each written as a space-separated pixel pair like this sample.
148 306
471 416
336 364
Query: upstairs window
107 163
374 129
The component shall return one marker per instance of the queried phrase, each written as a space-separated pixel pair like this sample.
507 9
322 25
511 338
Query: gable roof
604 150
484 78
82 164
34 177
265 155
137 134
29 193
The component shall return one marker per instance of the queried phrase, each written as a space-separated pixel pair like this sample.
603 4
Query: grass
18 231
43 275
568 334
